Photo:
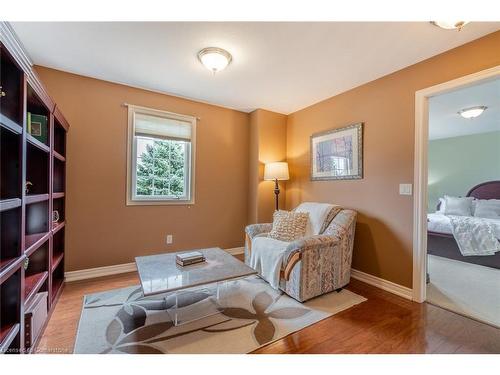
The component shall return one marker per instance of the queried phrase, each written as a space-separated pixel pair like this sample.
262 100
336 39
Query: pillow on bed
458 206
488 208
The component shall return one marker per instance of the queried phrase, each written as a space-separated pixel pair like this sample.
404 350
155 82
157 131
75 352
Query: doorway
424 197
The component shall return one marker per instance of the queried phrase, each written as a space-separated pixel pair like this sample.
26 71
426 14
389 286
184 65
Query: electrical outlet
170 239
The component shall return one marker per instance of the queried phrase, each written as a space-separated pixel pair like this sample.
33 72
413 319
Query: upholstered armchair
316 264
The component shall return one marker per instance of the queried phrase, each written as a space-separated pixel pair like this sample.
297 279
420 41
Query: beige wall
267 144
383 245
101 229
253 168
232 147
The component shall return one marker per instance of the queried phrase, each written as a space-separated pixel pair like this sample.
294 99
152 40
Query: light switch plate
170 239
405 189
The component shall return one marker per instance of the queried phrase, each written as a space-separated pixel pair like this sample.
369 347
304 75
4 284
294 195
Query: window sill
159 202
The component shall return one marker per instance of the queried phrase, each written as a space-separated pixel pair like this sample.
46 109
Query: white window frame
132 198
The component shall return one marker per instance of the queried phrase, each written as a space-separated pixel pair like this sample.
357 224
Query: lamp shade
276 171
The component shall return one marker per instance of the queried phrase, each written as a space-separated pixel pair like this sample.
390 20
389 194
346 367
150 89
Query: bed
440 240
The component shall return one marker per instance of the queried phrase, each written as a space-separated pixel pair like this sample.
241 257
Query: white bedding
441 223
475 236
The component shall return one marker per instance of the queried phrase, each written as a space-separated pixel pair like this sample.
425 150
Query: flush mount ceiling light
214 59
450 25
472 112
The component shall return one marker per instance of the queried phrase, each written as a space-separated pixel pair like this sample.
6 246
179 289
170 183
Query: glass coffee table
160 274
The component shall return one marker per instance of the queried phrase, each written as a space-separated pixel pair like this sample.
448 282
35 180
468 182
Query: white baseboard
91 273
386 285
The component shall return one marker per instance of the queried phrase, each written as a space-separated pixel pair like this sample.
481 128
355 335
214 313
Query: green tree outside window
161 169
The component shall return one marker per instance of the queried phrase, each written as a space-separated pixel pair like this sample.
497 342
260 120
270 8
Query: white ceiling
445 122
282 67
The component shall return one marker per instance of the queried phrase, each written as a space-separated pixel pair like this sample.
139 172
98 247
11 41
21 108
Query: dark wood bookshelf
35 198
57 280
8 266
56 259
58 195
35 142
11 319
59 156
11 164
10 238
8 124
33 171
37 171
57 287
9 204
34 241
56 227
6 262
57 249
33 283
59 176
8 334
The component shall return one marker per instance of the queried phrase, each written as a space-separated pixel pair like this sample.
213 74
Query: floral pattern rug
249 314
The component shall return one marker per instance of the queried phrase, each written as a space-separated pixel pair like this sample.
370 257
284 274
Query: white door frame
420 172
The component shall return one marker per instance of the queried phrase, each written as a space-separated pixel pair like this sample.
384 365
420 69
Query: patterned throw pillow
289 226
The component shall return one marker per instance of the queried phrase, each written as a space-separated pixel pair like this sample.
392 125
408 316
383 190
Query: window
161 148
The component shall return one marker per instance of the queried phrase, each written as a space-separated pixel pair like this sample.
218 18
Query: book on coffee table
185 259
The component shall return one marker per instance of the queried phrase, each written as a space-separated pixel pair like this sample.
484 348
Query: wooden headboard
486 190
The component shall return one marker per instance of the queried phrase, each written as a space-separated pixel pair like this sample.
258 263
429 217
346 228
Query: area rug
250 314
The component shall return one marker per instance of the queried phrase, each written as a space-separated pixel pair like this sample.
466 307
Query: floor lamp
277 171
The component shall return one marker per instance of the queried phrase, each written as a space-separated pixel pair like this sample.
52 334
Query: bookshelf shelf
56 227
56 259
8 266
59 157
32 284
35 142
7 334
10 313
6 262
33 170
36 272
34 241
35 198
9 204
37 171
8 124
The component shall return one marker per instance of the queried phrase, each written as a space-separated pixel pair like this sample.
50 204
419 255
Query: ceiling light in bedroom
450 25
214 59
473 112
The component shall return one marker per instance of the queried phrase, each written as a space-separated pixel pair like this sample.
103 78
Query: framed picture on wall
337 154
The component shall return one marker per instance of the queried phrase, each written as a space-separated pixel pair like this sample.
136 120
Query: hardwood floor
384 324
